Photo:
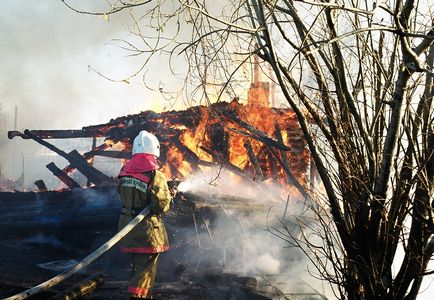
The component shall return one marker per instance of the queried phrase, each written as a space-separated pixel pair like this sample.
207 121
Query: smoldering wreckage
216 244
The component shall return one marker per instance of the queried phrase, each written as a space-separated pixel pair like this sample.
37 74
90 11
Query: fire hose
84 262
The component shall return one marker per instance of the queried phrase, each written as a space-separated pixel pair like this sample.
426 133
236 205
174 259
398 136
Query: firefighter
141 185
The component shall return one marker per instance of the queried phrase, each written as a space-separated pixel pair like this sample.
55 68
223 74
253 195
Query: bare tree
359 75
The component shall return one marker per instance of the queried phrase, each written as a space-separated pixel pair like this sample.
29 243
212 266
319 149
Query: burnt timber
221 133
57 227
59 173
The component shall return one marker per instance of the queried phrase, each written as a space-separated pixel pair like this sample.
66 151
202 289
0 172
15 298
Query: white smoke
259 252
267 264
220 181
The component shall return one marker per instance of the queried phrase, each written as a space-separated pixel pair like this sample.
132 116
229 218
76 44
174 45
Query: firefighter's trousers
144 269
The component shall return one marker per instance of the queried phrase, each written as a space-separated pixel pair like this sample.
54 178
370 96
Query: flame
203 136
196 138
211 139
237 152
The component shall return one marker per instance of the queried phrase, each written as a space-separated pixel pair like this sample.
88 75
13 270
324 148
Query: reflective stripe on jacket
150 235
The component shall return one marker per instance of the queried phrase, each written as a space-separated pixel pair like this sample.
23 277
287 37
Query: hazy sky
46 51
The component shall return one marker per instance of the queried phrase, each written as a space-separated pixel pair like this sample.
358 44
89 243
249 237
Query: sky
44 65
46 53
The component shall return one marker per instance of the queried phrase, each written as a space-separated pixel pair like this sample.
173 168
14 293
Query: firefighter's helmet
146 142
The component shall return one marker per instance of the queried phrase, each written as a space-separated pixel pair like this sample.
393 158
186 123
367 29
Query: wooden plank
59 173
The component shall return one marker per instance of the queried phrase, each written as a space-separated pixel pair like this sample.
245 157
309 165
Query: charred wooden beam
59 173
267 141
225 164
254 132
216 157
278 133
174 171
254 160
273 165
174 143
219 138
54 134
208 231
109 153
95 176
87 155
286 167
78 162
137 122
40 184
191 157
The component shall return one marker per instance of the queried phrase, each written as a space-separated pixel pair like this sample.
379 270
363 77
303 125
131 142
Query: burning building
254 142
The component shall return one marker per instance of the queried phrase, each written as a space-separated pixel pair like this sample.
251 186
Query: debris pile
208 236
251 141
58 228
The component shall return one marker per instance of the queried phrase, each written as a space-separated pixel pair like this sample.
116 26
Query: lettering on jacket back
134 183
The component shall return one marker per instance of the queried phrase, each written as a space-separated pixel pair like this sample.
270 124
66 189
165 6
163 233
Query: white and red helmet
146 142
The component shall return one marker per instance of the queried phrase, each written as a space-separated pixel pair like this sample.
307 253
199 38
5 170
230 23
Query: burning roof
251 140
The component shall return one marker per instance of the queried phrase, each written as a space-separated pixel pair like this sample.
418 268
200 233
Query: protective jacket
147 190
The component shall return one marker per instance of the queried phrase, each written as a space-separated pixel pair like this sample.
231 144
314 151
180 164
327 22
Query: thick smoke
258 252
218 181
